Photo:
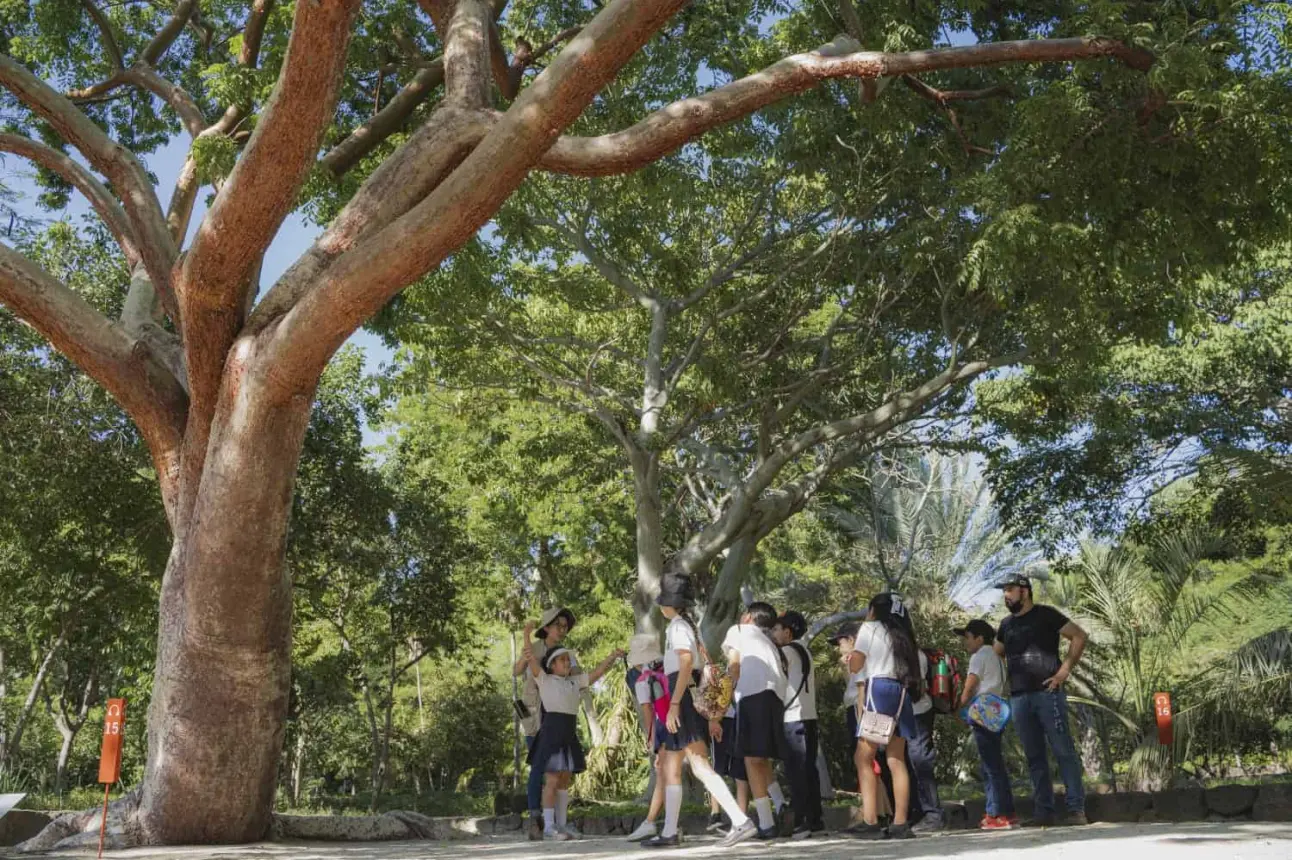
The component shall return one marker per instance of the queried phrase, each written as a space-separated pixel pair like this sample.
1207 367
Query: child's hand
529 628
715 730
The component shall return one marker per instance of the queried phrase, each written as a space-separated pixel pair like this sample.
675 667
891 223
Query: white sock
672 809
562 807
549 819
777 796
764 807
718 789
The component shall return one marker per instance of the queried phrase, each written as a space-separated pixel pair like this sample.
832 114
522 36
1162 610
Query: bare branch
670 127
607 268
173 94
77 176
386 122
105 29
160 44
148 392
126 175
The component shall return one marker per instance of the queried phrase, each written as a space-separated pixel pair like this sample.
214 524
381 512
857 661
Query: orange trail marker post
114 724
1162 711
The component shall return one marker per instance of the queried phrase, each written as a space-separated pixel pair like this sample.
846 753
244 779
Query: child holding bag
987 678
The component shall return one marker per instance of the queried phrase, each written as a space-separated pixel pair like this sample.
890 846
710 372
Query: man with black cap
553 626
1028 639
986 676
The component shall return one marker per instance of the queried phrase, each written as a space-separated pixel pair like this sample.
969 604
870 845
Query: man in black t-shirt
1028 639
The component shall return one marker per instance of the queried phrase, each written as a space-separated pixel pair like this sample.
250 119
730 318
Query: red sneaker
986 819
998 822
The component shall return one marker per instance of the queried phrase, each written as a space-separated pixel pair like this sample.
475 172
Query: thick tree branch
466 53
146 390
259 193
393 115
187 186
160 44
670 127
359 283
126 175
82 180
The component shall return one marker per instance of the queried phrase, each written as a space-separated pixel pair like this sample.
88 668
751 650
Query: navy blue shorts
884 695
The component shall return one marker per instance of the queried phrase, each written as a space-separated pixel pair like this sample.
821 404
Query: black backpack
805 659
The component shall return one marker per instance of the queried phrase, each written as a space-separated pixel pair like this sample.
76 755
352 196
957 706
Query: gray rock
1125 807
19 825
1180 804
1231 801
1273 803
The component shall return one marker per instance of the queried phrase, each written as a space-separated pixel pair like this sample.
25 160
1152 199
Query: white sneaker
740 834
556 836
645 830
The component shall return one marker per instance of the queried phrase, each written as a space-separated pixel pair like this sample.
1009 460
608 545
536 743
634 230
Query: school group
736 717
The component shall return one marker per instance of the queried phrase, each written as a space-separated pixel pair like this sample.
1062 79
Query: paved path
1205 841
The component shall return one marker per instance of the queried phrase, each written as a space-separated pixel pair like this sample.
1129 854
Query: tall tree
220 384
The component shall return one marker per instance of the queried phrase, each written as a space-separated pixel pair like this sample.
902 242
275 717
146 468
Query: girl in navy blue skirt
557 750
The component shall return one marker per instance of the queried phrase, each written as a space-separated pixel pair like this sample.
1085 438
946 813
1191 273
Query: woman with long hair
892 665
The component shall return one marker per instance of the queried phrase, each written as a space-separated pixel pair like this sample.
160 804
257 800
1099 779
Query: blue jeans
534 787
995 776
1042 718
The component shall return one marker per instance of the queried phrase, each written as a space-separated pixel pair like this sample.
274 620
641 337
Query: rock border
1272 802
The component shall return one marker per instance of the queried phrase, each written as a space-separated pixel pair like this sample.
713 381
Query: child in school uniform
684 733
557 750
845 639
648 682
802 738
758 671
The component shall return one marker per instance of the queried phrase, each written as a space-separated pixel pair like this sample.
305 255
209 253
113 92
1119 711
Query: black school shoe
767 833
674 841
900 831
868 832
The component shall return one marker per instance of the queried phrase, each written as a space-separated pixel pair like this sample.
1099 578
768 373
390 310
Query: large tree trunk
724 604
220 694
650 540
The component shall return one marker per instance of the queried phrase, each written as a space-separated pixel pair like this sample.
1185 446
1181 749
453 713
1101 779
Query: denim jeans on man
802 741
995 776
921 757
1041 718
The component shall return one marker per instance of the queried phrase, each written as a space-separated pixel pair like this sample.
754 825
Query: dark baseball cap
1020 581
977 627
847 630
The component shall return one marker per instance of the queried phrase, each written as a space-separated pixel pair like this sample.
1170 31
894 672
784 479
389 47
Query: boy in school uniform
557 752
801 735
758 675
987 676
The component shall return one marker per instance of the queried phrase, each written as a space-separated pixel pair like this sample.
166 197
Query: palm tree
1146 607
929 522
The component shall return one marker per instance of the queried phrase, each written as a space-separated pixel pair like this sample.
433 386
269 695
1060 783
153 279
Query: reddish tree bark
225 421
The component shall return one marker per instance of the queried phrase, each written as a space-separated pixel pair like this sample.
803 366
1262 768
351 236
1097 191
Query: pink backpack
661 701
